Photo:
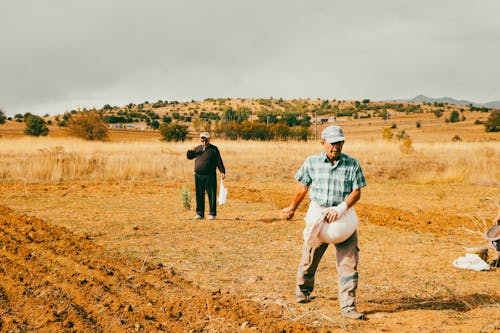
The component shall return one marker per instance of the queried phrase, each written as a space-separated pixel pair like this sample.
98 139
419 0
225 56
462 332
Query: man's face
333 150
204 141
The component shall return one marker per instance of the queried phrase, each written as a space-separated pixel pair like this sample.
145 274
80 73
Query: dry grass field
95 236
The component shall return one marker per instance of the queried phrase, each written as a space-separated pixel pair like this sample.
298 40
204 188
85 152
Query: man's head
332 139
205 137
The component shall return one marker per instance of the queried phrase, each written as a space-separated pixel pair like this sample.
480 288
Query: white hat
205 135
333 134
493 234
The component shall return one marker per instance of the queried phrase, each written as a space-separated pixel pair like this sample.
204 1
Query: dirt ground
111 257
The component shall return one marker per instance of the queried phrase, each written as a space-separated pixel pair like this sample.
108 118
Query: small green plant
186 197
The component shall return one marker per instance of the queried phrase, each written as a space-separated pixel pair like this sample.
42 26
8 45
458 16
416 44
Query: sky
60 55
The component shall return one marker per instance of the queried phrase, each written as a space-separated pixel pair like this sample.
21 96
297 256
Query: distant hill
449 100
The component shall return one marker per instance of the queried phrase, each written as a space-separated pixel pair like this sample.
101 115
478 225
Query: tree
35 126
173 132
454 116
88 125
438 113
2 117
493 122
26 116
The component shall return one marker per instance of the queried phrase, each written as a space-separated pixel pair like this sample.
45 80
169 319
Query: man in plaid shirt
333 181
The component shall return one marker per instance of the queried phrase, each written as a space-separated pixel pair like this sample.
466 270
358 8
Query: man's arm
191 153
299 195
220 165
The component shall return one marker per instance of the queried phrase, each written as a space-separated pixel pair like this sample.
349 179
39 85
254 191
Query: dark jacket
206 159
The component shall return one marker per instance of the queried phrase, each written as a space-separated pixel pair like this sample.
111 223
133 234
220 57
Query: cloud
59 55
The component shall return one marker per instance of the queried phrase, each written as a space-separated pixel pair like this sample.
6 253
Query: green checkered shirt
329 185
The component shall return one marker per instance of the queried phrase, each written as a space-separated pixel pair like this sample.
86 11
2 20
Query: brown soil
54 281
90 257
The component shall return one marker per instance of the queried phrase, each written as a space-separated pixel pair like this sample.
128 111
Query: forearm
352 198
335 212
298 196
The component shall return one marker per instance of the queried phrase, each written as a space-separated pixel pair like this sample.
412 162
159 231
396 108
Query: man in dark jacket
207 159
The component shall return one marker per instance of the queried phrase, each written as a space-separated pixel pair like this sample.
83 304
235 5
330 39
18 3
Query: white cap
333 134
205 135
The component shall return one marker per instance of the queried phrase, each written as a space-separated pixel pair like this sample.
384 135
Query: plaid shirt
330 184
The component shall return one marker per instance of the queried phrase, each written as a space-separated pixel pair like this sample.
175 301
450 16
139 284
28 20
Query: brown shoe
352 313
300 297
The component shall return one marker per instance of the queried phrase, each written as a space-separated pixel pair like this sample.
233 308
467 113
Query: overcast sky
58 55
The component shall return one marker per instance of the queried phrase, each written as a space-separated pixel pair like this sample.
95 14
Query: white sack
472 262
222 193
318 231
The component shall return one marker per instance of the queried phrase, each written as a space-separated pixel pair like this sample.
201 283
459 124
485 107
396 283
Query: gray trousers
347 255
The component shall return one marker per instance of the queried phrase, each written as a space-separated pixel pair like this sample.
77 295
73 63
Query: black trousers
206 183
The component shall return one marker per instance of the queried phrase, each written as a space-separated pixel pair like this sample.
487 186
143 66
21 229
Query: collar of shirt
327 160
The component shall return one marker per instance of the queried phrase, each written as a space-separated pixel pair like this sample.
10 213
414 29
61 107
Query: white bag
318 231
472 262
222 193
339 230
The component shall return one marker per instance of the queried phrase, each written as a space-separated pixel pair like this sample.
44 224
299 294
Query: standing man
207 159
493 235
335 180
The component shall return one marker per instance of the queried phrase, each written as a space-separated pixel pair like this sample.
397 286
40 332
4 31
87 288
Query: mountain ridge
425 99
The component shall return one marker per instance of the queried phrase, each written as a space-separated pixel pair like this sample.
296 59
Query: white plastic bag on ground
472 262
222 193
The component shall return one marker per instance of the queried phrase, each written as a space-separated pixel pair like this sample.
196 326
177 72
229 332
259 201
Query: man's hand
287 213
336 212
331 215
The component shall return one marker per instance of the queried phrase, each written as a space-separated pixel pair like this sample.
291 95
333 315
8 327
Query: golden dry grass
66 159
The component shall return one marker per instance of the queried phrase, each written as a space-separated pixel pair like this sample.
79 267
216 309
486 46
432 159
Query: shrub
402 135
456 138
35 126
173 132
88 125
387 134
406 146
454 116
2 117
493 122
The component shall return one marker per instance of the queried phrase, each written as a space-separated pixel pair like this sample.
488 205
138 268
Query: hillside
302 117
